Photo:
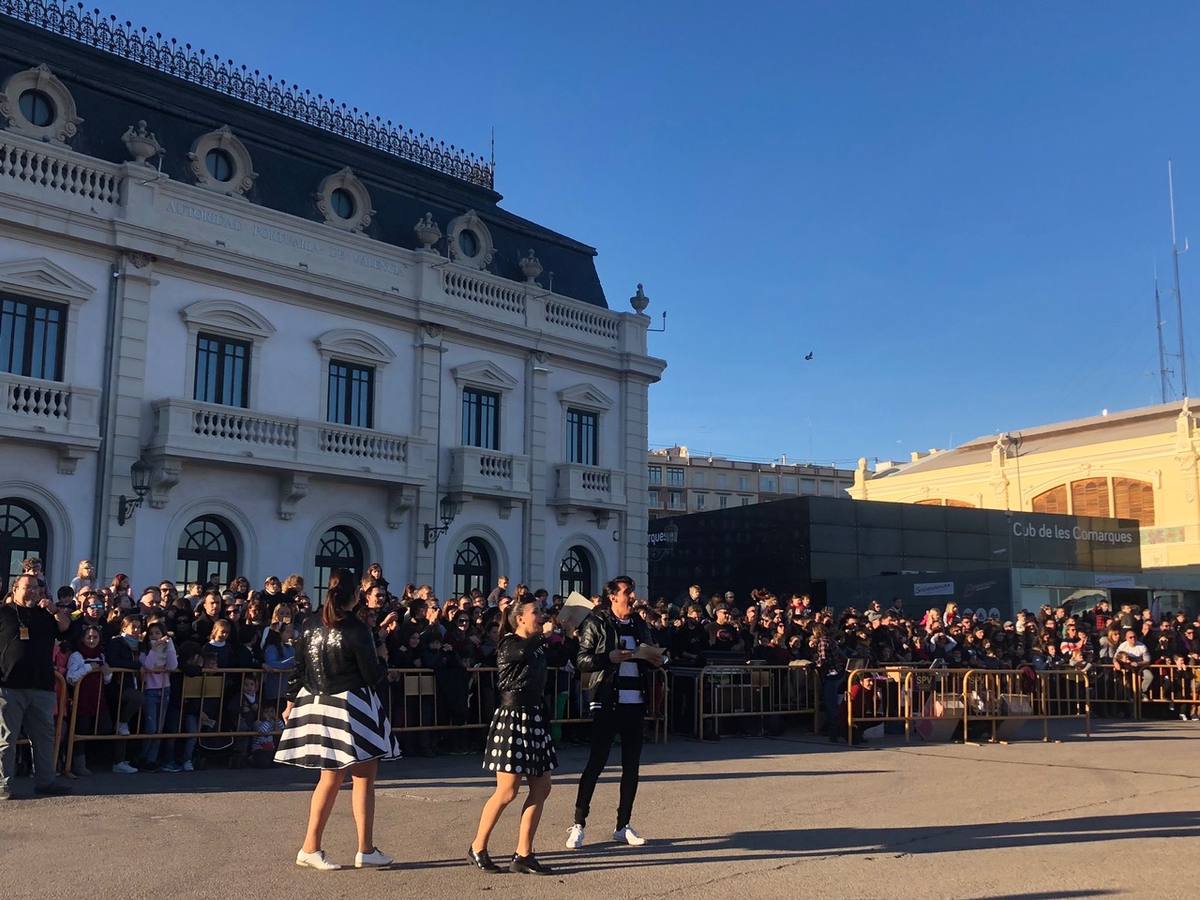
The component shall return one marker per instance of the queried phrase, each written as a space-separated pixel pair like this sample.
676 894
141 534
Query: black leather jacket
332 660
522 664
597 639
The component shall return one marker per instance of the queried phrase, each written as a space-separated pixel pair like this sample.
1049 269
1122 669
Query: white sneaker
124 768
188 767
315 861
628 836
575 837
123 729
374 858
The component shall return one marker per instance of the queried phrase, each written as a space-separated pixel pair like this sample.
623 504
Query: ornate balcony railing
189 429
36 409
580 317
587 487
476 471
139 45
57 169
487 291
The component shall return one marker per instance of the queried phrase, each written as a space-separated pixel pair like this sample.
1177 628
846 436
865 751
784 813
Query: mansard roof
119 74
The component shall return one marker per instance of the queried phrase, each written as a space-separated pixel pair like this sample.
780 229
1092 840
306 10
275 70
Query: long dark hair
508 623
340 596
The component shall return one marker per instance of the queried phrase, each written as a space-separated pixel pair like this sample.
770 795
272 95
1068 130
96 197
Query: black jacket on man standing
597 639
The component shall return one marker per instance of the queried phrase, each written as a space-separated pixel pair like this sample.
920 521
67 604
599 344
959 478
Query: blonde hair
79 568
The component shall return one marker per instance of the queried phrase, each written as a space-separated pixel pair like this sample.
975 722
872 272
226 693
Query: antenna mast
1162 351
1178 291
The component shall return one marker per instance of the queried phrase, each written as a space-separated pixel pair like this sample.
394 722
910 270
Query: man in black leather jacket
618 687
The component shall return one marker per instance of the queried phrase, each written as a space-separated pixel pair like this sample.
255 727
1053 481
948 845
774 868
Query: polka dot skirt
519 742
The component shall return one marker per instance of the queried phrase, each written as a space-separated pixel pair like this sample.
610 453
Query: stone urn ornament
639 301
531 267
427 231
141 143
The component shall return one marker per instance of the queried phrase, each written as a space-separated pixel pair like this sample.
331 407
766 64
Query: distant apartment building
682 482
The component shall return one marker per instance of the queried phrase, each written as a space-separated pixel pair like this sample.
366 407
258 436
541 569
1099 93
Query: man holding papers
615 655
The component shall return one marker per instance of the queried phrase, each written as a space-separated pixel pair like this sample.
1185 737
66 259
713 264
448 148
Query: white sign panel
1107 580
934 589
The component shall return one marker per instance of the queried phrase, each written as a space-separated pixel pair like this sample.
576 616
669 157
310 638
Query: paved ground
1115 815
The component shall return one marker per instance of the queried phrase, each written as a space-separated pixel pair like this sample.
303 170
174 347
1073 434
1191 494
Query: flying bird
808 355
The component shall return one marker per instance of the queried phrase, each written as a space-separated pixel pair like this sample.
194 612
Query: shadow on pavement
796 844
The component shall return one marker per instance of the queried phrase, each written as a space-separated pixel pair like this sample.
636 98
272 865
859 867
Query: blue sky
956 207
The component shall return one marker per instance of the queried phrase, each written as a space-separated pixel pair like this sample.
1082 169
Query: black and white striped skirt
334 731
519 742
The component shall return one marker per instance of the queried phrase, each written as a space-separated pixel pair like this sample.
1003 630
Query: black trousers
624 719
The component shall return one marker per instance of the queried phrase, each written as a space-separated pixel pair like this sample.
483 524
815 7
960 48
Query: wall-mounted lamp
447 510
139 474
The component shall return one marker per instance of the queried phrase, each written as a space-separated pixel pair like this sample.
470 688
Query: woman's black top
333 660
522 664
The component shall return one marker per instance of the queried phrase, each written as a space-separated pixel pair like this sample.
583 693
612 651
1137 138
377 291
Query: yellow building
1139 464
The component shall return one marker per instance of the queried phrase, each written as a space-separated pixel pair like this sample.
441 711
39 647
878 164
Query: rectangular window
826 488
655 474
675 476
766 483
222 371
676 500
700 501
722 480
808 486
582 429
481 419
724 501
789 484
743 483
351 394
745 501
31 338
652 498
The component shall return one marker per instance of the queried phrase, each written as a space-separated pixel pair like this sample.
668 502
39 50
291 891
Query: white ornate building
220 278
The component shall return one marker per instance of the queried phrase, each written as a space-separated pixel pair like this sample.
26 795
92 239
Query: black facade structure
845 552
295 138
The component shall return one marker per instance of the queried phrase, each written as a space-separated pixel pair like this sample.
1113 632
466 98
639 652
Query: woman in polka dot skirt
518 745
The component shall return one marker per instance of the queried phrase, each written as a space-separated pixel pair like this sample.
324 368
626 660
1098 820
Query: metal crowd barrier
418 704
210 709
751 692
1176 687
936 703
1007 699
929 701
213 711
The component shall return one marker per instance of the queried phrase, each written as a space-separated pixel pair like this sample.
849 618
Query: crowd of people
128 656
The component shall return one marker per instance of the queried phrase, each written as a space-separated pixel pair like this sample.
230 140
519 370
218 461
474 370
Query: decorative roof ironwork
139 45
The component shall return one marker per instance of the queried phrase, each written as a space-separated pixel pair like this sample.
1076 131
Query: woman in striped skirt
518 747
336 721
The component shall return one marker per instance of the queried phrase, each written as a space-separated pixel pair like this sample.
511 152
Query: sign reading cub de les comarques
1058 532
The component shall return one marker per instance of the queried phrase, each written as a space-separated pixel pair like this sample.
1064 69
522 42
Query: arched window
340 548
206 548
1053 501
472 567
1133 499
575 573
1089 497
22 535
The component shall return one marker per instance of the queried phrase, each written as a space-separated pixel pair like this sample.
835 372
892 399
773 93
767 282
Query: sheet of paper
574 611
648 653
